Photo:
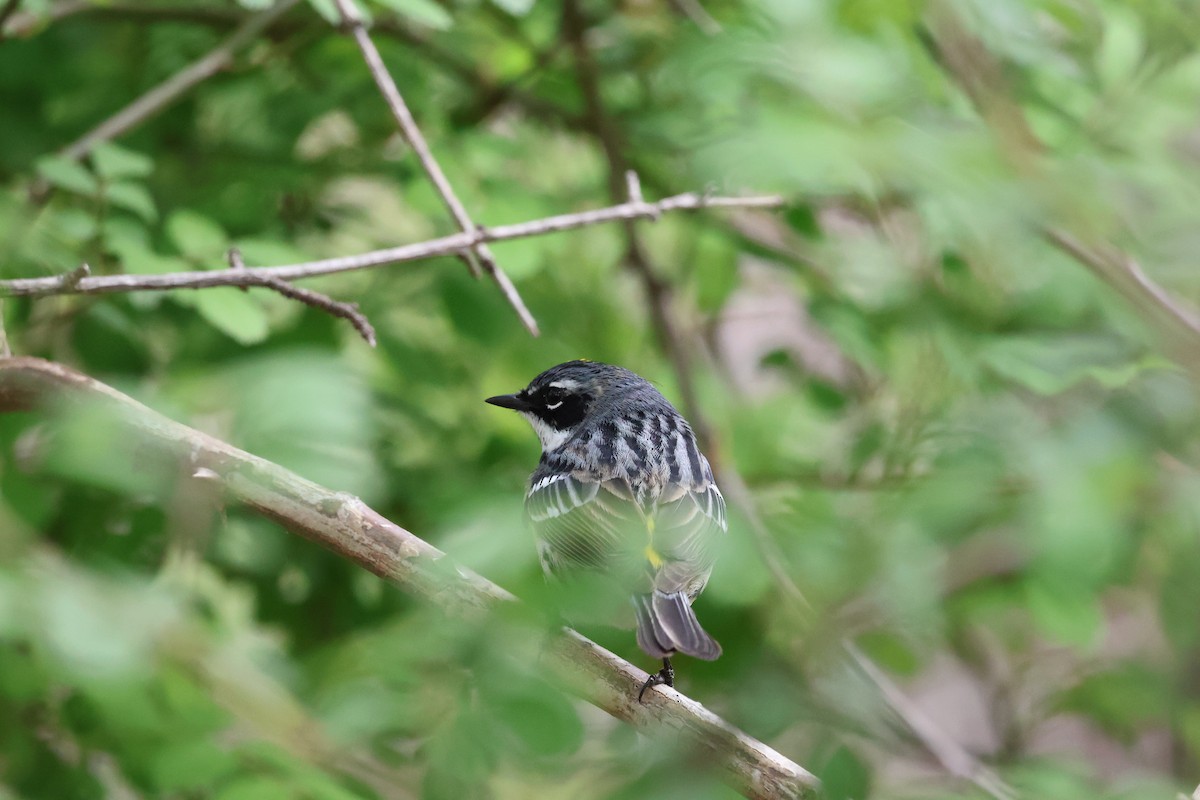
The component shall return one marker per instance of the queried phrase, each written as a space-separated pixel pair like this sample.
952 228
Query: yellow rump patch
651 554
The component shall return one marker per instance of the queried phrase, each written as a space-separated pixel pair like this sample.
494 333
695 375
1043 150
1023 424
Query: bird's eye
553 398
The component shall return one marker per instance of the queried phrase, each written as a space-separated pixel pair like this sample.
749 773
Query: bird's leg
665 676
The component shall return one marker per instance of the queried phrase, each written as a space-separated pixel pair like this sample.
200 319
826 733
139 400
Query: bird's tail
667 625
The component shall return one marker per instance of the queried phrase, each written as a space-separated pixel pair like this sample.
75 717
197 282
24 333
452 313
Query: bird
623 500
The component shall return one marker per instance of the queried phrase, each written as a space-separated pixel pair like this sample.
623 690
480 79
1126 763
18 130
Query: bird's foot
664 677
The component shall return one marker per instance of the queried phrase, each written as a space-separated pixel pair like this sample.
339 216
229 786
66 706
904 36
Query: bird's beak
509 401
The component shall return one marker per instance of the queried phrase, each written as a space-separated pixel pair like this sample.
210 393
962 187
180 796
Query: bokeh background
971 454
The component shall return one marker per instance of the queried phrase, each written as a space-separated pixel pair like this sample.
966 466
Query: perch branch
178 84
479 253
345 525
444 246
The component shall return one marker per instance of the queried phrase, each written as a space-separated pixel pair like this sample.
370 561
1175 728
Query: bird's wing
580 522
686 524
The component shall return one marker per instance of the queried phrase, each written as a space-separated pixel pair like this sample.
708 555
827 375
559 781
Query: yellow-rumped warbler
622 491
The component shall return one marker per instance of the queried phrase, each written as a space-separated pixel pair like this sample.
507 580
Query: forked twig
479 253
443 246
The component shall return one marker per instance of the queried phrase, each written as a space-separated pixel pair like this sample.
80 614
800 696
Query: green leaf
423 12
256 787
542 720
114 162
846 776
67 174
715 270
327 10
1068 613
132 197
269 252
1051 365
1121 46
1123 699
233 312
518 8
188 765
196 236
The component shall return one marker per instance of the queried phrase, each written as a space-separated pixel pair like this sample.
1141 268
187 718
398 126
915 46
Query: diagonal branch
321 302
968 62
6 11
1124 274
345 525
444 246
178 84
479 253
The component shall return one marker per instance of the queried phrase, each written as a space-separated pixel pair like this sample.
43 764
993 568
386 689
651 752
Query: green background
972 455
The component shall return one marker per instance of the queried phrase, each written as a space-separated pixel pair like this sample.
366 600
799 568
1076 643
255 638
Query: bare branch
7 10
5 350
699 15
444 246
178 84
1124 274
345 525
980 75
69 281
412 134
27 22
346 311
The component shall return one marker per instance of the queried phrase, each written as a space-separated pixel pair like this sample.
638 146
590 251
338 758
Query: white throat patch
550 437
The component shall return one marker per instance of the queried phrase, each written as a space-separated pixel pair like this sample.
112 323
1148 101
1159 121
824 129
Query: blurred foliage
995 496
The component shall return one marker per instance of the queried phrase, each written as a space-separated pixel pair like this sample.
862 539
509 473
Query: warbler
623 493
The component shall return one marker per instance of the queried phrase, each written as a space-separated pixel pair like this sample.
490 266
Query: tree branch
1123 273
443 246
345 525
177 85
7 10
979 73
412 134
321 302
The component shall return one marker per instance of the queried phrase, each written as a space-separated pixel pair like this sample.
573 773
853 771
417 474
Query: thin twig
177 85
968 62
321 302
27 22
7 10
69 281
443 246
478 254
699 15
5 350
345 525
1123 272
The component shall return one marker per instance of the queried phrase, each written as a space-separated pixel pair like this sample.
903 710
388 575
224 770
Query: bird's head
557 402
